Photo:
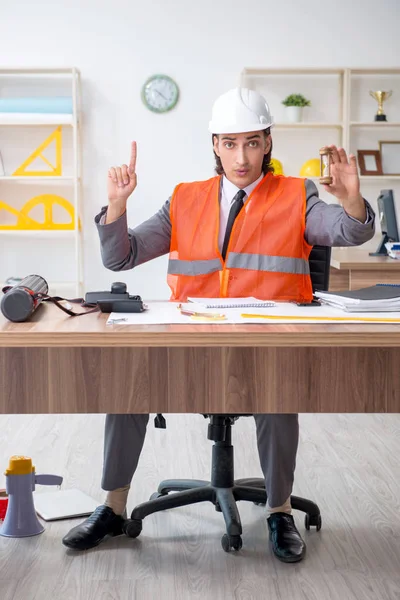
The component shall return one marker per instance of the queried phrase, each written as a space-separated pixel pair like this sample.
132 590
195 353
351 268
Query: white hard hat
240 110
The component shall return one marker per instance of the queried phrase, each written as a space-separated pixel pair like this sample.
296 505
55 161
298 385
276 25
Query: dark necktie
237 204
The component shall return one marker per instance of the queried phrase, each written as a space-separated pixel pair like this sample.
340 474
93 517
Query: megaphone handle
48 479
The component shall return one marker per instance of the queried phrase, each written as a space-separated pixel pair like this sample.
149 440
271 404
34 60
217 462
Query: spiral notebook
232 302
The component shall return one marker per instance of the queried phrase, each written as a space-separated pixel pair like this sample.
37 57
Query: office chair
223 491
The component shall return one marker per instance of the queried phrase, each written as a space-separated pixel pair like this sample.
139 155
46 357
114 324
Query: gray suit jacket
123 248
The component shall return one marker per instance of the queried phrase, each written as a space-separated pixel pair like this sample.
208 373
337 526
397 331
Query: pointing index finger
132 162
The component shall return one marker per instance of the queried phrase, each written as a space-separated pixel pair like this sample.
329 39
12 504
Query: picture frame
369 162
390 157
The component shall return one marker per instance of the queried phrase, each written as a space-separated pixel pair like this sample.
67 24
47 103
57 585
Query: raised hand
122 181
346 183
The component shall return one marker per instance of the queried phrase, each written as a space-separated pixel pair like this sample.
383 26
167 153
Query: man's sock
116 499
285 508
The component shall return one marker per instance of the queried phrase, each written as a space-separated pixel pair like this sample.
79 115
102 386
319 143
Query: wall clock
160 93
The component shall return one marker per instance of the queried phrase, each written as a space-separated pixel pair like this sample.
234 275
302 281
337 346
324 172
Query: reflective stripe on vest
194 267
263 262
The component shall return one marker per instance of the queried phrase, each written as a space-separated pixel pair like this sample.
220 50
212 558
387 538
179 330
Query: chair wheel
231 541
132 527
156 495
312 521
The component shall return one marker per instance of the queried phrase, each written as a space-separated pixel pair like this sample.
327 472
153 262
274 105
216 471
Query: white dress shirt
228 192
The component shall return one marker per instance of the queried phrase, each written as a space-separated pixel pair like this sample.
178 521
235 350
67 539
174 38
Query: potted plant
294 107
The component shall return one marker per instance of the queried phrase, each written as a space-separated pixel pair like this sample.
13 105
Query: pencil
302 318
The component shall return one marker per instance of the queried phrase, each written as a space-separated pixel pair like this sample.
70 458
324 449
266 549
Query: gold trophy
380 97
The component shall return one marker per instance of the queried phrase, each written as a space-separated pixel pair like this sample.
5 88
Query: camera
117 300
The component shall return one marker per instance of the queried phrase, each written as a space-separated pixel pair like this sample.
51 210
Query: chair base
192 491
223 490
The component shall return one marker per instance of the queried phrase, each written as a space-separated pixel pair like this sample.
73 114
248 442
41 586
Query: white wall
204 46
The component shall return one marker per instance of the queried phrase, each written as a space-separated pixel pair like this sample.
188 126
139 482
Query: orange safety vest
267 255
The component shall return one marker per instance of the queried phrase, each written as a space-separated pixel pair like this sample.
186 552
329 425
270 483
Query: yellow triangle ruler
54 171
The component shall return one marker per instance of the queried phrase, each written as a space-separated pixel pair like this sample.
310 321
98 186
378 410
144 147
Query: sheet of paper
160 313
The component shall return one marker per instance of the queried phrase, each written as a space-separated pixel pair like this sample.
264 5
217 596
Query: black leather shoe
287 543
102 523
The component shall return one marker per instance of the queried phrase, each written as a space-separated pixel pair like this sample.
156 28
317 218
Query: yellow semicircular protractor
23 222
48 201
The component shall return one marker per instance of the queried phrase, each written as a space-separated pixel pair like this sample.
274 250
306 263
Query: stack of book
377 298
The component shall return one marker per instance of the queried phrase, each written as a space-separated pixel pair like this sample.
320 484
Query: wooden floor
348 464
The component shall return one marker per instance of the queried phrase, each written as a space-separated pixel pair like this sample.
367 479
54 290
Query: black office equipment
387 220
117 300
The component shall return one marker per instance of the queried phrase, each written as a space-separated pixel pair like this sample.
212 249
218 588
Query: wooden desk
353 268
58 364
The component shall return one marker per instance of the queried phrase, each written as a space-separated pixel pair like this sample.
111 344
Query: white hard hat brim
218 129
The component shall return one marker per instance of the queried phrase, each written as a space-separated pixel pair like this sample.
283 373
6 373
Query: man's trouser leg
123 442
277 440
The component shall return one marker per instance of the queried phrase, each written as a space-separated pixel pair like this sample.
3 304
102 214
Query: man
244 232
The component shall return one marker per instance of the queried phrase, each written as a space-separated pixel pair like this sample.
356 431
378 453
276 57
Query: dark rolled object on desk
21 300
